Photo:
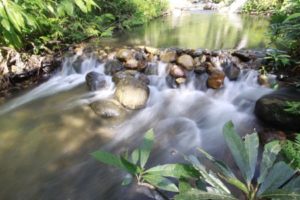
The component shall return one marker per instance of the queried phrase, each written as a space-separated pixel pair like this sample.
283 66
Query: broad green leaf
5 24
237 150
195 194
146 147
209 177
174 170
221 166
291 17
270 153
127 180
184 185
237 183
116 161
251 145
161 183
135 156
278 175
293 185
281 194
81 5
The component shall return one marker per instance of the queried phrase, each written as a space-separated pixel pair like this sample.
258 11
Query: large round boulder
273 109
127 74
95 81
176 71
132 93
216 79
186 61
232 71
168 56
124 55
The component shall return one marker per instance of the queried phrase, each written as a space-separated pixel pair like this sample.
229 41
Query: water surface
47 133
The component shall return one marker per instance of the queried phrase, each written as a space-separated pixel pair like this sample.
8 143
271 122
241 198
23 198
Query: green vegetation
291 151
276 180
44 24
262 6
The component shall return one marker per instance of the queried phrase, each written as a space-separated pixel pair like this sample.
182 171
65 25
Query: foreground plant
276 180
291 151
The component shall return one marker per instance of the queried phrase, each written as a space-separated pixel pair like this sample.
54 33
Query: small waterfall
71 76
236 6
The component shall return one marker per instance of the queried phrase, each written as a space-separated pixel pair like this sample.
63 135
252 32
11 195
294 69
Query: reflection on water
201 30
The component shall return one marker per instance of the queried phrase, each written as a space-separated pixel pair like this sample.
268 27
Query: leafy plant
293 107
291 151
276 180
278 59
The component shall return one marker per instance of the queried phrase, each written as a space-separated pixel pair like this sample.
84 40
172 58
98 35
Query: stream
48 132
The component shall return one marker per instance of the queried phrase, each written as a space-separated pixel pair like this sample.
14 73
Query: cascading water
59 132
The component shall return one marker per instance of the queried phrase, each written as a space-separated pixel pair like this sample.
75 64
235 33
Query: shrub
276 180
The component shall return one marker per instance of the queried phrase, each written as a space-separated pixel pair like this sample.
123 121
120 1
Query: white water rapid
56 136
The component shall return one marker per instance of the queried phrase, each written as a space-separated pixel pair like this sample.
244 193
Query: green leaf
127 180
195 194
174 170
291 17
81 5
161 183
209 177
238 150
221 166
281 194
146 147
237 183
270 153
293 185
116 161
135 156
251 145
278 175
183 185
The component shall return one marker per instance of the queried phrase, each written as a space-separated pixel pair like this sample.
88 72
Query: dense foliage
291 151
36 24
194 181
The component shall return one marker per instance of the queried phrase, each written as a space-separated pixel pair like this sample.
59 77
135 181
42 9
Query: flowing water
47 133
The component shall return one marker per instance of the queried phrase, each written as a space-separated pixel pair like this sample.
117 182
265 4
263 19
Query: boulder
113 66
132 93
216 79
124 55
152 50
232 71
168 56
180 81
186 61
176 71
132 64
123 75
95 81
151 68
243 55
271 109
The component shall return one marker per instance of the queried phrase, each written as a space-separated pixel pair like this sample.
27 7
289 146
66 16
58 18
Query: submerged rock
132 93
95 81
186 61
271 109
108 109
